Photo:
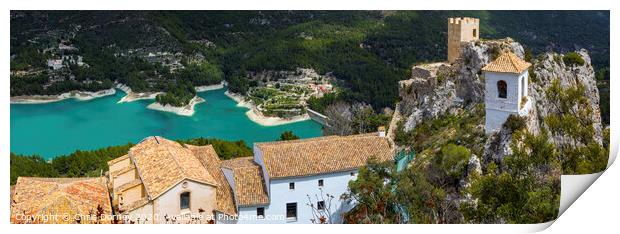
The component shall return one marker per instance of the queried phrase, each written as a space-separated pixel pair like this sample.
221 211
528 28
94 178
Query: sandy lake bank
256 116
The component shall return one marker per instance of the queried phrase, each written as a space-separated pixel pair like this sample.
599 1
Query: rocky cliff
435 89
442 117
546 69
549 67
438 89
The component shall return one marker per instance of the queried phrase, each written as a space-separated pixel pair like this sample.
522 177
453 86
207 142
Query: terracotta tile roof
224 194
57 198
507 62
163 163
249 184
322 154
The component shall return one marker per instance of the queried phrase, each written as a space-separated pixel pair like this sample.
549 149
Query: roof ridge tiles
507 62
323 155
317 139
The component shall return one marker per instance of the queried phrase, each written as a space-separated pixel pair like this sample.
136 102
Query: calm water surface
62 127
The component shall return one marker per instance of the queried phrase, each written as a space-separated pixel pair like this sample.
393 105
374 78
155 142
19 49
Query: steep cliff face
435 89
546 69
442 117
439 89
474 56
549 67
431 92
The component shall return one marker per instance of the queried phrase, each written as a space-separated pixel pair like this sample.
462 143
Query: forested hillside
367 51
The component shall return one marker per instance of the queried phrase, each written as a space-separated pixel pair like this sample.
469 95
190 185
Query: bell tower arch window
502 89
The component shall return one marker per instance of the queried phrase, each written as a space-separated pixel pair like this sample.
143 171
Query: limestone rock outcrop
428 94
545 69
435 89
440 88
549 67
474 56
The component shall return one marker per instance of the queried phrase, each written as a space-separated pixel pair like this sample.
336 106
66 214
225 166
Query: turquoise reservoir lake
59 128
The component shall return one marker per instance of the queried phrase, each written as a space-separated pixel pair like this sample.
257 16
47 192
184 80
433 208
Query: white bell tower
506 90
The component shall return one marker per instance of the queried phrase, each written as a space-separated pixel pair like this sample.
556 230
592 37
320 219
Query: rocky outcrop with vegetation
474 56
435 89
553 67
566 101
442 108
441 89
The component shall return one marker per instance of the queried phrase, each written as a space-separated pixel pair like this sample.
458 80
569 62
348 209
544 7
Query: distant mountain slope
539 30
369 51
418 36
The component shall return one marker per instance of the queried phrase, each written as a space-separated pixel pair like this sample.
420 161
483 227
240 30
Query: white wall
524 84
202 196
335 184
140 214
493 101
494 120
498 109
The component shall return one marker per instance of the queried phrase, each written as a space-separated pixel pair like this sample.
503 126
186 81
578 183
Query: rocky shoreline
133 96
256 116
205 88
187 110
79 95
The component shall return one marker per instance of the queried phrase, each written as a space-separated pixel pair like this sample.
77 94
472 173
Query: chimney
381 131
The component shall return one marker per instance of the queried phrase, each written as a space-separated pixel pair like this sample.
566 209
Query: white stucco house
299 181
306 178
506 90
162 181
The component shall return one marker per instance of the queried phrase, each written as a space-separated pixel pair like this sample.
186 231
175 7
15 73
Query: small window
320 183
184 200
260 212
474 33
291 210
291 186
502 89
320 205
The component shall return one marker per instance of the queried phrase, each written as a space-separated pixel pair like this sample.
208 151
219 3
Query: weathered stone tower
461 30
506 83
